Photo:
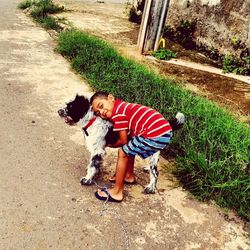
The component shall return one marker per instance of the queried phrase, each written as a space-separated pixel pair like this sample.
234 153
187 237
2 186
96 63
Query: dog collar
88 125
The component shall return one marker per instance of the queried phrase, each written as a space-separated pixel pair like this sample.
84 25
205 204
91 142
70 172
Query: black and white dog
98 133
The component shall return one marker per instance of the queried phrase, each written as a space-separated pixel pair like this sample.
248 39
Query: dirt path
43 206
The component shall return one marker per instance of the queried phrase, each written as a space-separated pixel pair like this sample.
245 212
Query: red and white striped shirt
138 120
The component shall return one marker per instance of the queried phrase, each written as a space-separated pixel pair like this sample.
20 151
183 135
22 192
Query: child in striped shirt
142 131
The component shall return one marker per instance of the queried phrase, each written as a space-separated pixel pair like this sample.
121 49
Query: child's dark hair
101 94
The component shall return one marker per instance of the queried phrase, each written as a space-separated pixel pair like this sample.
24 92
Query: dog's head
74 110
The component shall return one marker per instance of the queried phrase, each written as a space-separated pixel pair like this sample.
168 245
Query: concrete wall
220 23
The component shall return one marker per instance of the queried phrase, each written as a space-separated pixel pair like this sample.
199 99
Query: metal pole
153 20
161 23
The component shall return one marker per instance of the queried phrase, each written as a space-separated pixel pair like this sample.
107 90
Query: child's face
103 107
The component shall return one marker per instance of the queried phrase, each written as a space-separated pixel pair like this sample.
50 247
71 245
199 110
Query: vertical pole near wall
153 20
143 27
162 21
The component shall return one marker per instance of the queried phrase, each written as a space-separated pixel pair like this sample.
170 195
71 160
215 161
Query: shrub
231 64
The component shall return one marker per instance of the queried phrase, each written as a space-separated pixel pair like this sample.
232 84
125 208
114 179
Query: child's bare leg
129 177
130 170
121 168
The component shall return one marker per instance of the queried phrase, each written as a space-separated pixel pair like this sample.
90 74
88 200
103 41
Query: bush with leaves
164 54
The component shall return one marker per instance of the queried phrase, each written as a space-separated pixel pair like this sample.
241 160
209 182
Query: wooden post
153 21
143 27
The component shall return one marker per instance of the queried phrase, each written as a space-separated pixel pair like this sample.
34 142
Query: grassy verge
212 148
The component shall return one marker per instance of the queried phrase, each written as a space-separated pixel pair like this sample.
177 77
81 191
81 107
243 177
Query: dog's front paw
86 182
150 189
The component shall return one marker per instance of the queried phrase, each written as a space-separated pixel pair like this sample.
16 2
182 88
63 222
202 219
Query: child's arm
123 139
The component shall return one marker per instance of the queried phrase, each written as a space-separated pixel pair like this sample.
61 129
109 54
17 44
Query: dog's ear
78 108
81 98
81 101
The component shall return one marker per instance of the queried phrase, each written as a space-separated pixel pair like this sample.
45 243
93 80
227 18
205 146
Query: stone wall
220 24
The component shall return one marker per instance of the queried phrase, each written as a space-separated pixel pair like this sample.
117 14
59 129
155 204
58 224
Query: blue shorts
145 147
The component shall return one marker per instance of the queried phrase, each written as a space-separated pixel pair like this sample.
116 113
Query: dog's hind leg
153 160
92 169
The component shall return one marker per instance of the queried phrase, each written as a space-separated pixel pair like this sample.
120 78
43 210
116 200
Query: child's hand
123 139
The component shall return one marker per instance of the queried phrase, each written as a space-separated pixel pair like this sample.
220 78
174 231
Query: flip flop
126 182
109 198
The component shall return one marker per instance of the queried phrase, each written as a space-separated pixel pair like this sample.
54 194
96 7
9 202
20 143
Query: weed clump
49 22
231 64
164 54
44 7
25 4
40 10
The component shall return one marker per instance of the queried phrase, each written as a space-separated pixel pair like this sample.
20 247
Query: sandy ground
43 205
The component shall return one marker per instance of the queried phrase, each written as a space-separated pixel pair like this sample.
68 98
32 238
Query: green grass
213 147
40 12
49 22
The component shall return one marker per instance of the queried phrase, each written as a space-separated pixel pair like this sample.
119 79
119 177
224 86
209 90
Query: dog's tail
177 122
